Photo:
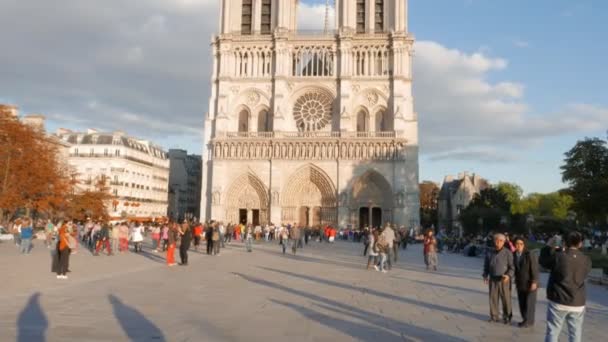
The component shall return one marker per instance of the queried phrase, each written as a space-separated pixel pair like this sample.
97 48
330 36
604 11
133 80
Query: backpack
215 236
382 243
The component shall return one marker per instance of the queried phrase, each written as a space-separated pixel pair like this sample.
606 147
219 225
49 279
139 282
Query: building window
379 16
244 121
264 121
76 151
266 16
362 121
117 153
360 16
246 17
105 152
382 122
91 152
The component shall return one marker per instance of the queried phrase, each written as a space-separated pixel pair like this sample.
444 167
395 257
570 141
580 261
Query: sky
501 88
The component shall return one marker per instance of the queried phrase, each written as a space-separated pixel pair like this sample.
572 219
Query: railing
298 135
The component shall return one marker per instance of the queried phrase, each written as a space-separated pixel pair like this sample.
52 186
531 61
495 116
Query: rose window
312 111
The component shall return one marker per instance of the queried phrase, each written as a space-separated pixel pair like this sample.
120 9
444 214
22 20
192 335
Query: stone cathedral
312 128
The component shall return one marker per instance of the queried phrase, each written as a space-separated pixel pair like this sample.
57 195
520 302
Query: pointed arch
372 187
309 187
247 192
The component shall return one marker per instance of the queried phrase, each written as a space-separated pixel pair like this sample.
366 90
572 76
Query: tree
485 212
429 197
585 170
513 194
90 203
31 178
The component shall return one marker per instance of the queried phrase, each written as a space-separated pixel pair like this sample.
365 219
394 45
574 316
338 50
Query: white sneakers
62 277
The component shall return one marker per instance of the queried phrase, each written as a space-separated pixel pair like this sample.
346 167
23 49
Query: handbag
71 242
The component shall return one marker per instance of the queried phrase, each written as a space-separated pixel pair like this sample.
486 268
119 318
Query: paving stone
322 294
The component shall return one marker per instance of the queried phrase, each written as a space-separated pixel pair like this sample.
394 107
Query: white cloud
460 111
144 66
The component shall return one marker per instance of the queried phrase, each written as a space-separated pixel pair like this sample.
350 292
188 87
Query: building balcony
309 135
374 146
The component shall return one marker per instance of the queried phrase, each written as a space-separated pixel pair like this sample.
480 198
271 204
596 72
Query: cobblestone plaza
322 294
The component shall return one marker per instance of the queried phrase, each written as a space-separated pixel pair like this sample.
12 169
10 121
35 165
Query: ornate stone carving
312 111
372 98
235 90
344 114
253 98
216 197
275 197
356 88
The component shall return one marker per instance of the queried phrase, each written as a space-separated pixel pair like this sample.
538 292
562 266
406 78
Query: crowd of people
507 261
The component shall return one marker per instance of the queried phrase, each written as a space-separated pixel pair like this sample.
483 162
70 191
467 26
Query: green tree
513 194
585 170
485 211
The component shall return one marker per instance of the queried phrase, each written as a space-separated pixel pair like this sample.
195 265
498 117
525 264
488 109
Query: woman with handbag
63 252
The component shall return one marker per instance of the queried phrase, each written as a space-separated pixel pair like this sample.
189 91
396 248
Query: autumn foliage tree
31 177
89 203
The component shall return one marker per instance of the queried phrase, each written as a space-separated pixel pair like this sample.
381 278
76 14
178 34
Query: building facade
136 171
455 195
184 185
312 128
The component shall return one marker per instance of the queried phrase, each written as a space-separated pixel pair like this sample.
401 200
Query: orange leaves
31 175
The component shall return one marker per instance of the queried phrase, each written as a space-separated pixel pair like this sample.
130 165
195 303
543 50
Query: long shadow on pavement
397 327
32 322
379 294
134 323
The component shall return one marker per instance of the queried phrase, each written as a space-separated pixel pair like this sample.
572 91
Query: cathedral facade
312 128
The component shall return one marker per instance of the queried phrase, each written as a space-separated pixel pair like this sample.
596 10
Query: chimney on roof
35 121
62 131
461 176
449 179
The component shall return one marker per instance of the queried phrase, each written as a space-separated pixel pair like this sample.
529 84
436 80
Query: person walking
389 236
63 253
216 237
49 231
27 232
295 237
249 239
137 237
526 282
498 271
209 238
284 237
115 237
103 240
372 259
171 243
197 232
382 248
566 291
430 251
186 238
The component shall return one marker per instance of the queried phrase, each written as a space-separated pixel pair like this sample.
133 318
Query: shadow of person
32 322
134 323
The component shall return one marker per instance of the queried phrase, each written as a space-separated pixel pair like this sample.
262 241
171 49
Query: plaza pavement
322 294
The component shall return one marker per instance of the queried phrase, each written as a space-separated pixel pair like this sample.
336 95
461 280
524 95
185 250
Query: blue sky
502 88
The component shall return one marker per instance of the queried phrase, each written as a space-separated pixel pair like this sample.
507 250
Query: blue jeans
555 321
25 246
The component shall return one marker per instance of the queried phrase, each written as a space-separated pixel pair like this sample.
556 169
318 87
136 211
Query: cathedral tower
312 128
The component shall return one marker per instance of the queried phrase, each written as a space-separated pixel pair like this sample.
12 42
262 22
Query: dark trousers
183 253
527 305
365 249
64 261
500 292
209 246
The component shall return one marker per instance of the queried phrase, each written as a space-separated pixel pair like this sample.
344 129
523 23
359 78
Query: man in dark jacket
497 273
526 282
566 289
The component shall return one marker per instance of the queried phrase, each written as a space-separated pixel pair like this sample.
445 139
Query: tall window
264 121
382 124
266 16
362 121
246 17
360 16
244 121
379 16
